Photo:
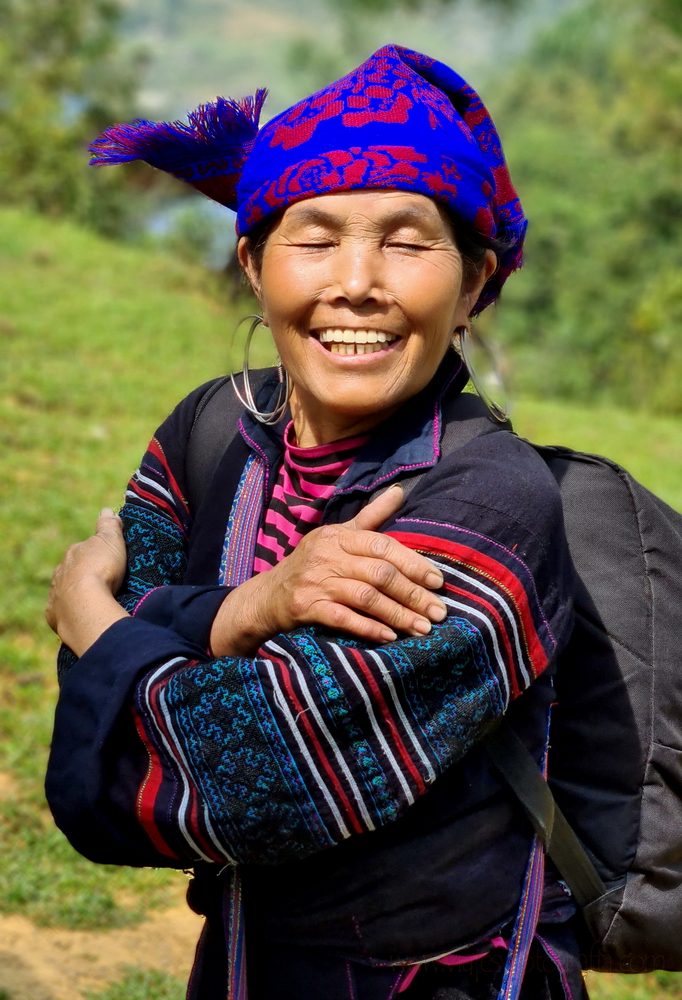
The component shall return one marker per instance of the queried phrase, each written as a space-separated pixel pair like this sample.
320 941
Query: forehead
377 207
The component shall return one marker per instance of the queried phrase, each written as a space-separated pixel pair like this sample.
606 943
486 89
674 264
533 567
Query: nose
356 276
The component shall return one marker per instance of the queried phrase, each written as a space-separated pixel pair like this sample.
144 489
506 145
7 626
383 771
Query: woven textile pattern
319 737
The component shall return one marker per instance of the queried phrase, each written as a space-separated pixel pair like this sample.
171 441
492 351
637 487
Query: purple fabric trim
239 546
525 925
236 951
435 454
142 600
351 982
396 987
560 969
257 448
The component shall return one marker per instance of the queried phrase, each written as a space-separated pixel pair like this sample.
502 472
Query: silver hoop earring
248 400
465 337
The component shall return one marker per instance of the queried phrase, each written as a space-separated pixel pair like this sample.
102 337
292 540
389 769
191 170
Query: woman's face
363 292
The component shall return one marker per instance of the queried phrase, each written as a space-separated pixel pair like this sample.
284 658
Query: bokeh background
117 296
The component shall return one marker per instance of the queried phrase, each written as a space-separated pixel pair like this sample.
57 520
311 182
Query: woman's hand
81 604
346 576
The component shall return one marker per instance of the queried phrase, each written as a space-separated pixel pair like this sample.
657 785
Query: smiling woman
286 685
367 269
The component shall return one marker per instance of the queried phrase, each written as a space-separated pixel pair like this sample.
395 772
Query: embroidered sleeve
156 517
319 737
156 521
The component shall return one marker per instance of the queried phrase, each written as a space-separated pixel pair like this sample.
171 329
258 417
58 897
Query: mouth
349 342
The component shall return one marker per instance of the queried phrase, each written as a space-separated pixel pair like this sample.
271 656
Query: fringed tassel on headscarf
223 128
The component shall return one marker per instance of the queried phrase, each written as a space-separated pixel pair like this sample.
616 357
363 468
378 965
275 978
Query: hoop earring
248 400
465 336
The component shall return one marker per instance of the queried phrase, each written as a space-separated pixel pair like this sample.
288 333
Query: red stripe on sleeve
146 797
303 716
155 499
491 569
156 450
380 700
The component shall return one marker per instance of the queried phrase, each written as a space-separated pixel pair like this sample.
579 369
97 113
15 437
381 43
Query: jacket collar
409 441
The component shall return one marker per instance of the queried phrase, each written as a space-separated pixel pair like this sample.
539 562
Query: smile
349 342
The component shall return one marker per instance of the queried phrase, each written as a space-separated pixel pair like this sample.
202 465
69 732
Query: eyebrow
393 220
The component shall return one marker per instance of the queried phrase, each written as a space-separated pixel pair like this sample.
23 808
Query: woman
291 691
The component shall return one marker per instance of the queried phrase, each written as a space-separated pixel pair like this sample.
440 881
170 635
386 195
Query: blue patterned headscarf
400 120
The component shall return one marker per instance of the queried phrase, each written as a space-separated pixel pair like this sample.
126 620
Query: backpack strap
528 783
215 425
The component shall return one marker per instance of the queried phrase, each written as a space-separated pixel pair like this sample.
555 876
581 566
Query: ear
469 298
249 268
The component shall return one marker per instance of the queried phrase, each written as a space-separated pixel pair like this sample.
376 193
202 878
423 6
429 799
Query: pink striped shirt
305 482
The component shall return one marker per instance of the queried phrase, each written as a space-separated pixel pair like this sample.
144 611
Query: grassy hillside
99 342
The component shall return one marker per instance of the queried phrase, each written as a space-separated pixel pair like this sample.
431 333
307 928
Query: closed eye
408 246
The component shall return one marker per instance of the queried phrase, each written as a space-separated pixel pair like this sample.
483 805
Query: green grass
139 984
99 342
654 986
650 447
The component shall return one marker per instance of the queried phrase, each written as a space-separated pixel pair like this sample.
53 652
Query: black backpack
615 760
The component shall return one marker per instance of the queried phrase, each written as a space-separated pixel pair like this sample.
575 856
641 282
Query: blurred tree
592 126
355 20
62 79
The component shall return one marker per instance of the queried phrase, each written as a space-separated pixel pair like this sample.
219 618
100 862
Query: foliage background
107 275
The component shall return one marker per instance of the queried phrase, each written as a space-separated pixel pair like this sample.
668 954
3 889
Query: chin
365 401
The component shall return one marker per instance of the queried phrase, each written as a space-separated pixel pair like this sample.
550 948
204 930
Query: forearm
89 610
243 622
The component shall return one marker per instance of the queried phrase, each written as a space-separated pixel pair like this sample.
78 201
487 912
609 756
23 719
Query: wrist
245 619
86 609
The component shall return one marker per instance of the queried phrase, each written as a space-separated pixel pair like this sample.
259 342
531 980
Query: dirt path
38 963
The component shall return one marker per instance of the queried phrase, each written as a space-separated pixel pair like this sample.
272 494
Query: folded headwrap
400 120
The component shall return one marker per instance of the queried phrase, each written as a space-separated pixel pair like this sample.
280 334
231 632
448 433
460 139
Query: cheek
428 294
288 288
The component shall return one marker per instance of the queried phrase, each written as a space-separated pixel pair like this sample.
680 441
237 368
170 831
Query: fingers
379 510
108 522
343 619
384 578
411 564
411 611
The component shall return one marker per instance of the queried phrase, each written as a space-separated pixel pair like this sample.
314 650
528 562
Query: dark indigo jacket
348 781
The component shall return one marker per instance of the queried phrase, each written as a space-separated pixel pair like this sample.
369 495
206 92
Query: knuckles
337 616
379 546
364 595
382 573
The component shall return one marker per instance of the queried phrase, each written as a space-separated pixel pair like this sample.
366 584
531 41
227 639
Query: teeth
356 337
354 348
